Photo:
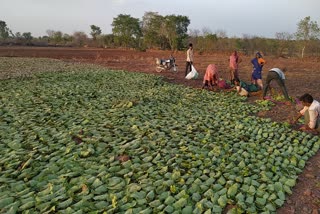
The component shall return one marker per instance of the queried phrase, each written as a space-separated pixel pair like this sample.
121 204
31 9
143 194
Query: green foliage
307 30
5 32
67 131
167 31
95 31
126 30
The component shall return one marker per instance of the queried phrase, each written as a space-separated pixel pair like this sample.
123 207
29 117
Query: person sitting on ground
311 113
277 75
243 88
211 77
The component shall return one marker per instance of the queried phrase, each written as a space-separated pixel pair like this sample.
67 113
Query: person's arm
313 119
297 118
239 60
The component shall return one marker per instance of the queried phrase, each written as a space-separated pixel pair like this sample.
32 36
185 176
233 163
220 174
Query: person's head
236 81
235 53
306 99
190 45
258 55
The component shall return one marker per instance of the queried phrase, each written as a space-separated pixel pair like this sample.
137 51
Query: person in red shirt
234 61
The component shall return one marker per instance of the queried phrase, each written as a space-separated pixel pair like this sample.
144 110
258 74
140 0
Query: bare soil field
302 76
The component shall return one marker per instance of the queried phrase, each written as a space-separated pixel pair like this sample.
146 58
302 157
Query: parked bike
166 64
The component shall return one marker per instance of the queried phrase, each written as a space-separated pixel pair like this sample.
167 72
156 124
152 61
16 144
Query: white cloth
314 113
279 72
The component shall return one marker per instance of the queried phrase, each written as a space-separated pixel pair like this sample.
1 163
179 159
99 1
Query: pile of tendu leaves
84 139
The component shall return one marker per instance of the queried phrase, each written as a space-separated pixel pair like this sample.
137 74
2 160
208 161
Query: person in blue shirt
258 63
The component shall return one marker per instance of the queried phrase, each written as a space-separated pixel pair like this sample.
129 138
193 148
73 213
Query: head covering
259 54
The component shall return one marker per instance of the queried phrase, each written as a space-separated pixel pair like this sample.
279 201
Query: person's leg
205 84
231 75
210 85
188 65
236 74
283 87
318 125
260 84
266 87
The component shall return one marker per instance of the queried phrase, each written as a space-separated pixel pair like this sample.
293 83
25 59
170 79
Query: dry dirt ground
302 76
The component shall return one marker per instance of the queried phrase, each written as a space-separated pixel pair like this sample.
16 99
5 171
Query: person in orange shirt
211 77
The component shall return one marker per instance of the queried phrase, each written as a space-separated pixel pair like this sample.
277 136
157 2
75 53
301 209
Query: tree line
170 32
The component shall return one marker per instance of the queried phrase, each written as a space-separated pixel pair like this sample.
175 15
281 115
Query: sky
236 18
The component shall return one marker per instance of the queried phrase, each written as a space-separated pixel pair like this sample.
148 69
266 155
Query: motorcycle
166 64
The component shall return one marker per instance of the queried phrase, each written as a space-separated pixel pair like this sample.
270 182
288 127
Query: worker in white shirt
277 75
311 113
189 60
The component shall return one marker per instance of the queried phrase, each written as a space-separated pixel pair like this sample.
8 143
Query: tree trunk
302 52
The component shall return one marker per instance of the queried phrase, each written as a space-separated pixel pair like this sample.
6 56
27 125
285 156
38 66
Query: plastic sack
193 74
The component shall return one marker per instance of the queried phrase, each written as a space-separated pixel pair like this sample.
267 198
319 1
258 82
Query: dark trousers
272 75
188 67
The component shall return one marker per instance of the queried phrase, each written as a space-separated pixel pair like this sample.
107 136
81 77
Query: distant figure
311 113
234 61
257 63
211 77
277 75
189 60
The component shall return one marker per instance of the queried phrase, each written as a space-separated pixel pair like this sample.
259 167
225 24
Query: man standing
189 60
311 113
234 61
277 75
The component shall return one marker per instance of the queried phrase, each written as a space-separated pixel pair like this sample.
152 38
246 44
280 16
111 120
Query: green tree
55 37
151 24
175 29
5 32
80 38
307 30
95 31
27 37
126 30
108 40
164 31
283 42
